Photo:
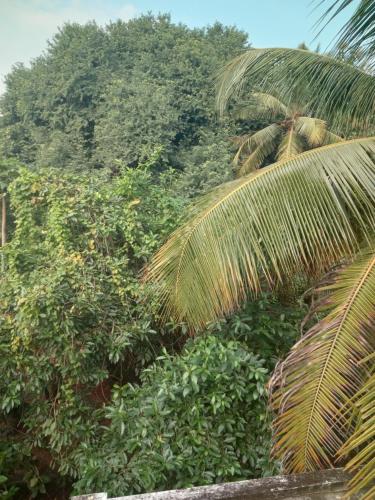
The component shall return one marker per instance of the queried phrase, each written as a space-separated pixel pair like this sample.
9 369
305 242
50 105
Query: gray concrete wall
321 485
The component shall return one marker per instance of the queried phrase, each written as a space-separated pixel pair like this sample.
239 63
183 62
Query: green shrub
197 418
74 317
265 325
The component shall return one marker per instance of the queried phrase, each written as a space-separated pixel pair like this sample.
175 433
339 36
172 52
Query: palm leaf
266 106
255 148
331 138
362 442
254 160
312 129
338 92
323 372
297 214
290 146
358 32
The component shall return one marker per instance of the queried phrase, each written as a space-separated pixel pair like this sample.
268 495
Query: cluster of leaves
197 418
267 325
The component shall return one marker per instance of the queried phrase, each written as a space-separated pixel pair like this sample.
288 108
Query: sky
26 25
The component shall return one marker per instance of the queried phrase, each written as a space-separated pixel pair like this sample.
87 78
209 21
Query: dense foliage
71 302
75 320
99 95
103 141
188 423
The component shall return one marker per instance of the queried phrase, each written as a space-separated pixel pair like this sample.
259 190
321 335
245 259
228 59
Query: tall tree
74 106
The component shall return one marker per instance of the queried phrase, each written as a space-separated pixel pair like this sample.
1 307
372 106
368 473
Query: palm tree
294 131
303 214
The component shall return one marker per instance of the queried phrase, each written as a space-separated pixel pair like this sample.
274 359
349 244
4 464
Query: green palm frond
291 145
324 371
256 147
312 129
362 442
337 91
297 214
358 32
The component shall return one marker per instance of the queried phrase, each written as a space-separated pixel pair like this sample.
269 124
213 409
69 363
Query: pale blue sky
26 25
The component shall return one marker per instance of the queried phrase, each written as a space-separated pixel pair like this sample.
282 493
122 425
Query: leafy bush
197 418
74 317
265 325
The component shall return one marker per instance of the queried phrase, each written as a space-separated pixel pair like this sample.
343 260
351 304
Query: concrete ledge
320 485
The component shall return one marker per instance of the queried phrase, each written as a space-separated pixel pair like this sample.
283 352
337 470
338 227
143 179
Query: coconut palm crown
293 131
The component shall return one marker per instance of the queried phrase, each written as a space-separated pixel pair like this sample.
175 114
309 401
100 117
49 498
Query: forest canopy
104 94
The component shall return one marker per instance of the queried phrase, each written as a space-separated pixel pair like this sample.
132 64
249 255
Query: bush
74 317
198 418
265 325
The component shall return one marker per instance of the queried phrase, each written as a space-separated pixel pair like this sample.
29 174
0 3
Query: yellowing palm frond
312 129
290 146
337 91
297 214
362 442
254 160
324 371
261 106
256 147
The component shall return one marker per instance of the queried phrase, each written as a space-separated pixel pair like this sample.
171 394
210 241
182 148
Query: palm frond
362 442
297 214
254 160
358 32
254 148
290 146
312 129
324 371
331 138
337 92
268 106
